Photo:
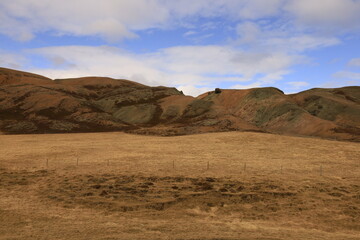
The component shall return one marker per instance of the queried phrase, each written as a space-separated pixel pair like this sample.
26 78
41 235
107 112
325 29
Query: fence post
208 166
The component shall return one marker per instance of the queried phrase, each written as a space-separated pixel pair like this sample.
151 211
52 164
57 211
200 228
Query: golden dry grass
258 186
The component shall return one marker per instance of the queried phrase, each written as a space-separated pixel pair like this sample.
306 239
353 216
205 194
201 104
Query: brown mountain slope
9 76
77 105
31 103
341 105
271 110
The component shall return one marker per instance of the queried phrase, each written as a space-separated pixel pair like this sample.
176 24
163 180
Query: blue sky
194 45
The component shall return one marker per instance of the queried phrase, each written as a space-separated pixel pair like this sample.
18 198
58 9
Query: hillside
30 103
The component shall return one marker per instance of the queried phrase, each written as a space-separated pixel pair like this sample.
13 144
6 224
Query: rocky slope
30 103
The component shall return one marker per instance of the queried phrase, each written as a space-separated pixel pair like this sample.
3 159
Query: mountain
31 103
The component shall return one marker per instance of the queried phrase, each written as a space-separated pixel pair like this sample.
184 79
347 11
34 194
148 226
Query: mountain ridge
31 103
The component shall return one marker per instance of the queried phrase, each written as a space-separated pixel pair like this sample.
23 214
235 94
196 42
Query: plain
234 185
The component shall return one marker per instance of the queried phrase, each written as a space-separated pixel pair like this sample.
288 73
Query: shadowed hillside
30 103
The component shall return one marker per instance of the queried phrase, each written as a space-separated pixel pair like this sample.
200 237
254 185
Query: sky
193 45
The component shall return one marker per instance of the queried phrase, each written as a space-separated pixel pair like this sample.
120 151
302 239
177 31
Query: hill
31 103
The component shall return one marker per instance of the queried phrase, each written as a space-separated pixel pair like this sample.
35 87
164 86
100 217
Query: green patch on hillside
136 114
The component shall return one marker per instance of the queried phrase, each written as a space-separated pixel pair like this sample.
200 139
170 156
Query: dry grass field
209 186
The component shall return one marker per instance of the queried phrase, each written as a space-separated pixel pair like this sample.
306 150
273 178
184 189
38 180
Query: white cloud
220 60
337 16
347 75
297 85
246 86
235 9
342 78
264 81
14 28
209 26
301 43
189 33
256 9
11 60
354 62
274 76
337 84
261 37
118 19
110 19
248 32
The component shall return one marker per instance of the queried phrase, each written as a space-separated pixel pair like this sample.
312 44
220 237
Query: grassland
208 186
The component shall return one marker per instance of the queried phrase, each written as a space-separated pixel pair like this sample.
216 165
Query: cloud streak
355 62
347 75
